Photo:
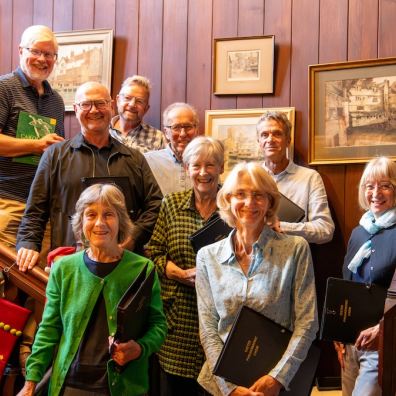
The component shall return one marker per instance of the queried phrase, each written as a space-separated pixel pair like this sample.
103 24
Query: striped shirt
16 94
181 354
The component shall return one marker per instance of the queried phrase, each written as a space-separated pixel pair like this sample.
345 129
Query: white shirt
305 187
168 171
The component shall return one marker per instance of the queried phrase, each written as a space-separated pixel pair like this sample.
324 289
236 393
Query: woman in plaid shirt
182 213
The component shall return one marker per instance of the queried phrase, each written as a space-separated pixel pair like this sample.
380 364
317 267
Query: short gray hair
179 105
37 33
137 80
280 118
204 145
261 180
375 170
106 194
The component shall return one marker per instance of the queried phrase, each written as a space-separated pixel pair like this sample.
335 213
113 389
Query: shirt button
373 251
102 281
110 317
371 268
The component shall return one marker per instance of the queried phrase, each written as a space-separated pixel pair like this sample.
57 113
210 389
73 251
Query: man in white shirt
181 123
301 185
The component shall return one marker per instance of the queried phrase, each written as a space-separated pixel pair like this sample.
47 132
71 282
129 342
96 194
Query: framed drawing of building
243 65
352 111
83 55
237 130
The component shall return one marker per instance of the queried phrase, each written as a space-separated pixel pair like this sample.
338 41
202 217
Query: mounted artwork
352 111
243 65
83 55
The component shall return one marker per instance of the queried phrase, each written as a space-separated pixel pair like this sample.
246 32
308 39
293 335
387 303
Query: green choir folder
33 126
254 347
349 308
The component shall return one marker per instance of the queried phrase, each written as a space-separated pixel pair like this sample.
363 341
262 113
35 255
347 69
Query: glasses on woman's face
382 186
99 104
242 195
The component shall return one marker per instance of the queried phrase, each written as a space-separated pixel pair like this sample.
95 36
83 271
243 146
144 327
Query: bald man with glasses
27 90
59 180
181 124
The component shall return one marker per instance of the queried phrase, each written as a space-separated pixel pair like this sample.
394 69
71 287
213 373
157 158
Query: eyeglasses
178 127
37 53
133 99
254 195
380 186
99 104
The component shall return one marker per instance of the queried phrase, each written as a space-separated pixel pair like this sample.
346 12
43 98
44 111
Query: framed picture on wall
243 65
237 130
83 55
352 111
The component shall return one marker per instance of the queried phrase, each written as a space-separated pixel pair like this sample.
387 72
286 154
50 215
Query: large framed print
83 55
237 130
352 111
243 65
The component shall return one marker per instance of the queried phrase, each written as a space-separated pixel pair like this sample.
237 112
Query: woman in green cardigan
82 295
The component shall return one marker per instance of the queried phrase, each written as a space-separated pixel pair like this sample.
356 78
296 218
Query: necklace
105 259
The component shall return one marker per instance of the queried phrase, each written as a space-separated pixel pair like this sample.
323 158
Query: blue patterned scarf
372 226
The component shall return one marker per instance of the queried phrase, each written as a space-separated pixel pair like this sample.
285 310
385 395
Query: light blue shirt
280 284
168 171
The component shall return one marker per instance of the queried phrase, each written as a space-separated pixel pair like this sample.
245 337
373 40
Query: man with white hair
132 105
25 89
181 125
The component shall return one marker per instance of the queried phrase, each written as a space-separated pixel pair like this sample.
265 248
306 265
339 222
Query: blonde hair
375 170
261 180
107 195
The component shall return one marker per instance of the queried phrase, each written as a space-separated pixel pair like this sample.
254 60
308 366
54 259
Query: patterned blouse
181 354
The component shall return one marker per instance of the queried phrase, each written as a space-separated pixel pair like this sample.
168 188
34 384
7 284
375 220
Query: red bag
12 321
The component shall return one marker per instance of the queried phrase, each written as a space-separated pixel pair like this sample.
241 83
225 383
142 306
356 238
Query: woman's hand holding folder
122 353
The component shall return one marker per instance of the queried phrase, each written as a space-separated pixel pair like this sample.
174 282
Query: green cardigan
72 292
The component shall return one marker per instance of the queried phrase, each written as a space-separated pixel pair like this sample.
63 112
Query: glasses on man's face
177 128
86 105
384 187
257 196
37 53
133 100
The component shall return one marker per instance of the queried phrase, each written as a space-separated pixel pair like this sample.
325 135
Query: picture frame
236 128
83 55
243 65
352 111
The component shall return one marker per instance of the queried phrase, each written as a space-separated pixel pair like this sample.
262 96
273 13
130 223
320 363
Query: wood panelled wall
171 42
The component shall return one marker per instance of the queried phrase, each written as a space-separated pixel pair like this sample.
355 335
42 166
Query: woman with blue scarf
370 258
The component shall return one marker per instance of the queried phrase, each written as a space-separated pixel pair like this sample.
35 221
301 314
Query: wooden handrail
32 282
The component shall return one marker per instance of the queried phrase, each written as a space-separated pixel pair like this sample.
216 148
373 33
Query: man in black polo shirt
25 89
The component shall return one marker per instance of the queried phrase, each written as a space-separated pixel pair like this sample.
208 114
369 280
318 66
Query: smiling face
180 138
94 121
37 68
101 226
204 173
380 196
133 104
272 140
248 205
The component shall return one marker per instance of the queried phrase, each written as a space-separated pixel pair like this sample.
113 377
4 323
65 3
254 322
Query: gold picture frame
237 130
243 65
352 111
83 55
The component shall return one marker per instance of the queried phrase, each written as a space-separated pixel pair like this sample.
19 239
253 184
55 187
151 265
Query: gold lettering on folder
251 348
345 310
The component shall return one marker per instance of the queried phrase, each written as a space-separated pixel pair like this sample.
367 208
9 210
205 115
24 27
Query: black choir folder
289 211
349 308
132 310
215 230
254 347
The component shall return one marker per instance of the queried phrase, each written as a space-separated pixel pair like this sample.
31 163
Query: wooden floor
315 392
